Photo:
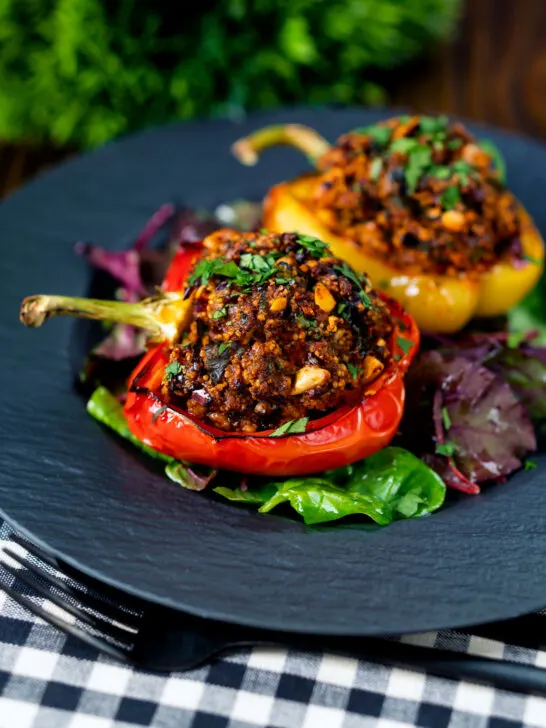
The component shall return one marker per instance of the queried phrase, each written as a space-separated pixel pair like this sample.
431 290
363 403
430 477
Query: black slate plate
74 488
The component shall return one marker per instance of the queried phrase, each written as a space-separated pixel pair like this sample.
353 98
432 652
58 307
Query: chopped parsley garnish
404 344
366 300
420 158
446 419
358 280
463 169
353 371
440 172
305 323
219 313
281 281
379 134
223 346
205 269
529 465
263 231
405 145
446 448
293 427
454 144
450 197
313 245
433 124
172 370
375 168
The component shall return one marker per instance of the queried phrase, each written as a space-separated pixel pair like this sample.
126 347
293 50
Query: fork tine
90 601
100 644
94 621
34 550
130 603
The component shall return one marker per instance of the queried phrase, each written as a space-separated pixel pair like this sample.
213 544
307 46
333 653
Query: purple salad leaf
468 416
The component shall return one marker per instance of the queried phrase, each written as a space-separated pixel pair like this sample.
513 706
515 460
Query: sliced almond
277 305
372 368
309 377
323 298
453 220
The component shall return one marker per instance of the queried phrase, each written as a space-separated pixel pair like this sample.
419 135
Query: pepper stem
165 316
307 140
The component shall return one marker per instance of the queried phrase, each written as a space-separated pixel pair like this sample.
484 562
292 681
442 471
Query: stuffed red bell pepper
268 355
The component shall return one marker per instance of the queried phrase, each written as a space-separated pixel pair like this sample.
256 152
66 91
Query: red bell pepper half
341 437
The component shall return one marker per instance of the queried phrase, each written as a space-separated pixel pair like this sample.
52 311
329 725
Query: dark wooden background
494 70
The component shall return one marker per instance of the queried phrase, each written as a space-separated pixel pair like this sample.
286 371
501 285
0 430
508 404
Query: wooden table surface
494 70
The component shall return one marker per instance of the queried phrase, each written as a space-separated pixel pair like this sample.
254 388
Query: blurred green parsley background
80 72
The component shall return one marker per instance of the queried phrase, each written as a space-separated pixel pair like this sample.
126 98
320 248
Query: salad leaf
257 495
105 408
529 314
389 485
490 430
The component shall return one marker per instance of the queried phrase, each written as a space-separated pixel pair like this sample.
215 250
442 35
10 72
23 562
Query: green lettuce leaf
105 408
389 485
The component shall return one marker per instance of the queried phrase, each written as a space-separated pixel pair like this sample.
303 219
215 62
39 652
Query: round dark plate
73 487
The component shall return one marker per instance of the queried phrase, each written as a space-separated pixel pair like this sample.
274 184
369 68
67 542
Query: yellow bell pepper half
439 304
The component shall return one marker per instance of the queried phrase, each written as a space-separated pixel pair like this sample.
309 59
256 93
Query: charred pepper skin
340 438
439 303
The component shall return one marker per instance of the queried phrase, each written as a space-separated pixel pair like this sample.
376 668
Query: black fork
155 638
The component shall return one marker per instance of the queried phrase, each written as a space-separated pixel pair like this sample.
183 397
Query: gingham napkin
48 680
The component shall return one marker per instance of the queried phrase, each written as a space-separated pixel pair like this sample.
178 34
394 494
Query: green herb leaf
353 371
529 465
223 346
219 313
404 145
306 323
293 427
433 124
316 247
172 370
454 144
263 231
366 300
392 484
404 344
379 134
450 197
419 160
440 172
495 154
446 448
446 419
205 269
375 168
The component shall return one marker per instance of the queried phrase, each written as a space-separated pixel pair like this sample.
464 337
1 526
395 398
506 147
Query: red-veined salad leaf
465 420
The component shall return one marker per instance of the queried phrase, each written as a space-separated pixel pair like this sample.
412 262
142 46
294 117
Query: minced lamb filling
281 330
420 193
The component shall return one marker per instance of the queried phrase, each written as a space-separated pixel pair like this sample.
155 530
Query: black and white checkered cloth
48 680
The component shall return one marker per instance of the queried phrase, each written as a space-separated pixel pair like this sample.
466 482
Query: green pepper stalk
307 140
164 316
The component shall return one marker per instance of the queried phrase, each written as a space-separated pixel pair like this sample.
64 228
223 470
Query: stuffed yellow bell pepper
420 206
